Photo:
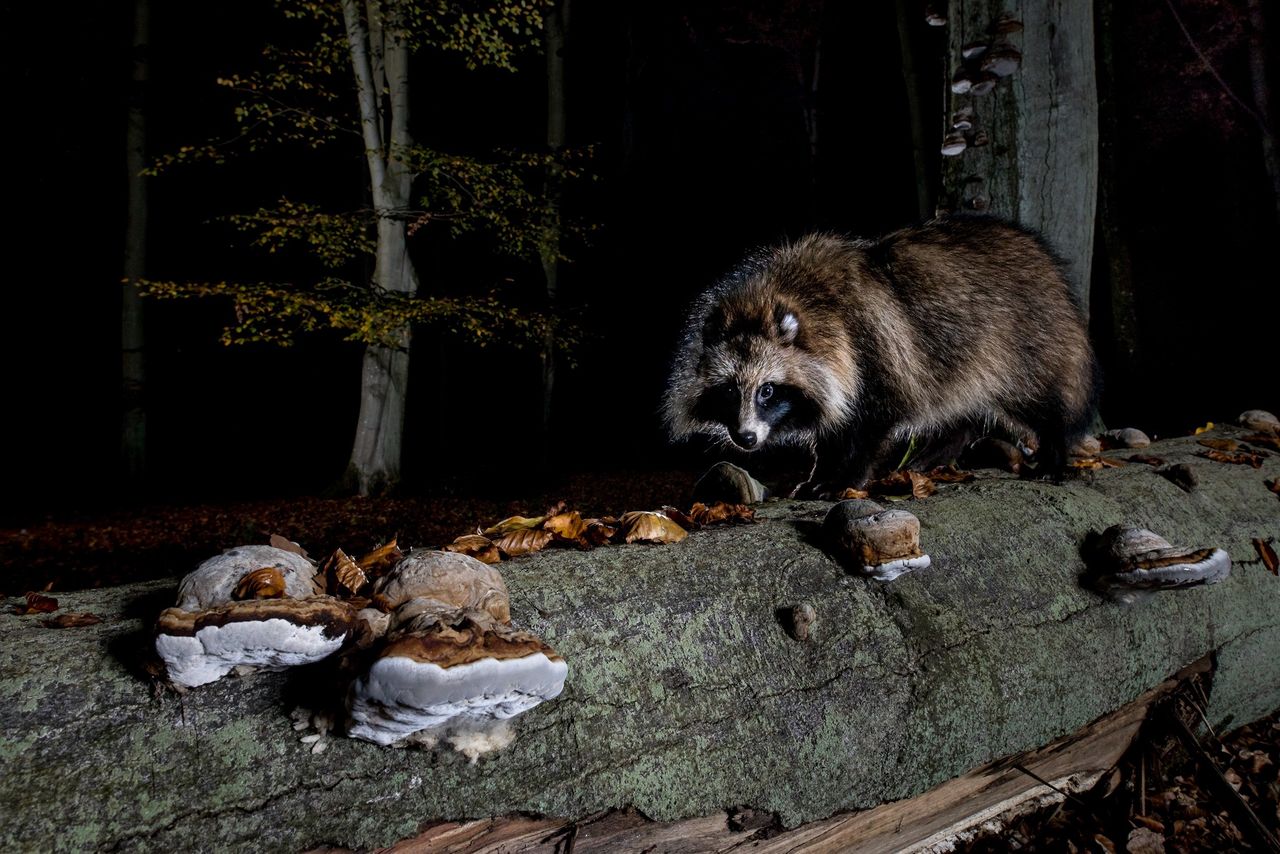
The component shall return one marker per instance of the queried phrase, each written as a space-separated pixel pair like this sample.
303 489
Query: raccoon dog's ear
788 325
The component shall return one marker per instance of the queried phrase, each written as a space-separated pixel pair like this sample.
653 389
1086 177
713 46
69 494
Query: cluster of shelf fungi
432 655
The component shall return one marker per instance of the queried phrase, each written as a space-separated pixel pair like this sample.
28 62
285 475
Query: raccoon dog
848 346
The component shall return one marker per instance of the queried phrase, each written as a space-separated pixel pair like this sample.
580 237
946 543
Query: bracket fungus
729 483
451 657
254 606
1128 562
1260 420
879 543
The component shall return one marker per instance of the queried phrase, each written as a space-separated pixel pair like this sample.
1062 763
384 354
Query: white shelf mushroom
1130 563
250 606
882 544
452 659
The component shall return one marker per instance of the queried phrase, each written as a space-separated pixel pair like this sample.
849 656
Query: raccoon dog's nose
747 440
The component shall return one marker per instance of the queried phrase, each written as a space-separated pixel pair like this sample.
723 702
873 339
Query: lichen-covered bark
685 694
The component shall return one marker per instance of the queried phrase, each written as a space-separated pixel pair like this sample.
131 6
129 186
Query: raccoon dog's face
748 372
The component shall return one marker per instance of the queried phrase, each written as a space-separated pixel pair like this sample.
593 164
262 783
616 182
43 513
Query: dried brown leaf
598 532
921 485
721 512
950 474
474 545
1243 458
37 604
566 526
523 541
264 583
513 523
1147 459
680 517
1273 485
344 575
1220 444
1096 463
1153 823
1104 843
640 526
1266 440
1268 555
285 544
71 620
379 561
854 493
556 509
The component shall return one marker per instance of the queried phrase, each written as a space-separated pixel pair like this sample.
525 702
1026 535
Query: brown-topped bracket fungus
875 542
730 484
451 659
1129 563
1260 420
1125 437
254 606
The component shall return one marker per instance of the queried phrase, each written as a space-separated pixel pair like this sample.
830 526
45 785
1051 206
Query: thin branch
1209 66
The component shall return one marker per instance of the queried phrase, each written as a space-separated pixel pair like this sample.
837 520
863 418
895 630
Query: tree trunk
1258 69
555 31
1040 167
375 456
685 695
133 426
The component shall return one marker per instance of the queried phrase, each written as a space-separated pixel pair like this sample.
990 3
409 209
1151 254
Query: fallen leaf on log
71 620
720 512
904 483
1147 459
264 583
523 541
37 604
344 575
640 526
1244 458
950 474
566 526
1205 429
287 545
513 523
1268 555
1264 439
1096 463
854 493
598 532
377 562
681 518
1220 444
474 545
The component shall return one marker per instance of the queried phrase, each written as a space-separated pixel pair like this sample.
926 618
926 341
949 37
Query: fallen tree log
686 696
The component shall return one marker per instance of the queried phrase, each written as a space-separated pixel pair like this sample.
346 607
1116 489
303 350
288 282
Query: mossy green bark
685 694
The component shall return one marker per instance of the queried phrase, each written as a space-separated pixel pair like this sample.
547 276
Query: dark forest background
696 112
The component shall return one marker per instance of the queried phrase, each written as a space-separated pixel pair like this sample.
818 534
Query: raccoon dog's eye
765 392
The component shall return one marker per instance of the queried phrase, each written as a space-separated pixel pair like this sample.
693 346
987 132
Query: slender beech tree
379 49
133 425
300 98
1024 93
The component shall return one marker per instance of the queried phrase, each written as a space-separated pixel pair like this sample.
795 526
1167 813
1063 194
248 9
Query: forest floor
1163 796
